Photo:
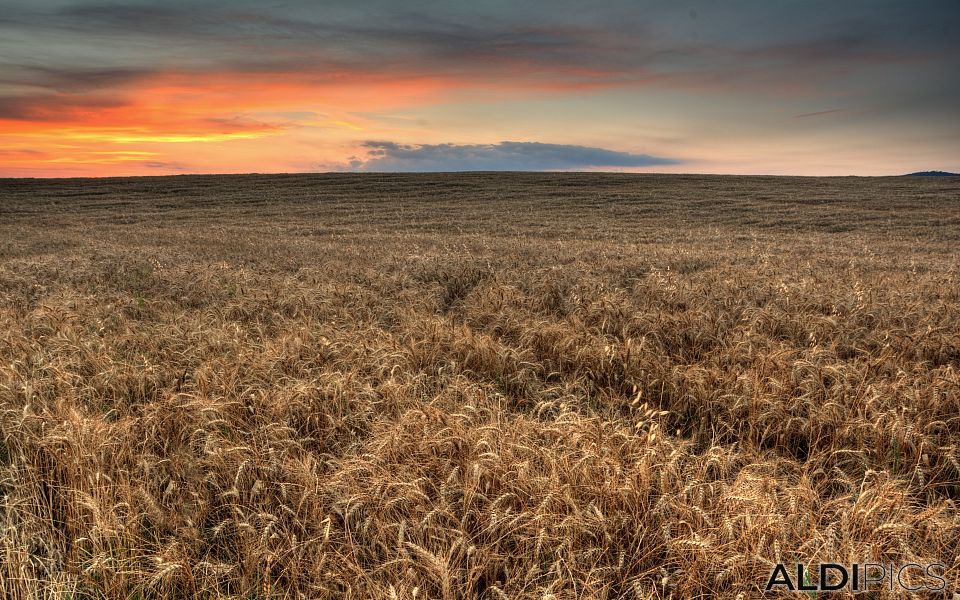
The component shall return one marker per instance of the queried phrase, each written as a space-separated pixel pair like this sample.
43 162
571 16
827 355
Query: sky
151 87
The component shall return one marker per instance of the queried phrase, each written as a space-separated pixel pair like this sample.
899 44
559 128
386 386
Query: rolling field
474 385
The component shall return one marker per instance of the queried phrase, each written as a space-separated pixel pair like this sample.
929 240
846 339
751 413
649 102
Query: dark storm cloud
505 156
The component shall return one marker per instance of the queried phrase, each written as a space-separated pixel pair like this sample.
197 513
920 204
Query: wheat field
474 385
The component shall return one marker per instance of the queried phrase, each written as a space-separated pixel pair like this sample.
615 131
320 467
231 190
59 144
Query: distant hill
931 174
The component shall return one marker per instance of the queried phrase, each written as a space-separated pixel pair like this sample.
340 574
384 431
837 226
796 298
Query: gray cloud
165 165
616 42
505 156
53 106
70 80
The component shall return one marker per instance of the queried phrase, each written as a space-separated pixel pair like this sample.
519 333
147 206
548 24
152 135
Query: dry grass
510 386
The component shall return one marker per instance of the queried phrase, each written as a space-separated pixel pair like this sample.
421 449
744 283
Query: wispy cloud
164 165
505 156
55 107
819 113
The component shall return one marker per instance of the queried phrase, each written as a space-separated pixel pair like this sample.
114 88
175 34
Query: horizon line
932 173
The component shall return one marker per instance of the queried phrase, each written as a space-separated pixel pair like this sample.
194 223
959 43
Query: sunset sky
165 87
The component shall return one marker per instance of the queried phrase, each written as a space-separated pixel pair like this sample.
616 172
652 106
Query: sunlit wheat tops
474 386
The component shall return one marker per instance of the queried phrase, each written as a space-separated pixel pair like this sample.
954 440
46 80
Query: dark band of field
474 385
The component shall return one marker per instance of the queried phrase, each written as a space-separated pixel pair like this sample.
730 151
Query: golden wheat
490 386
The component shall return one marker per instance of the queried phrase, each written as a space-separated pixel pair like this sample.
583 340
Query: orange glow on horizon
156 118
236 122
160 122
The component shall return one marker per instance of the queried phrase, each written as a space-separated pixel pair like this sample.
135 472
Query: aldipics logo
864 577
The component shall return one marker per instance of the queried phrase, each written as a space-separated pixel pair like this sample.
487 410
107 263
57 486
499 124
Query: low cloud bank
505 156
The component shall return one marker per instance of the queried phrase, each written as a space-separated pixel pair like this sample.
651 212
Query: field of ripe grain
474 386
